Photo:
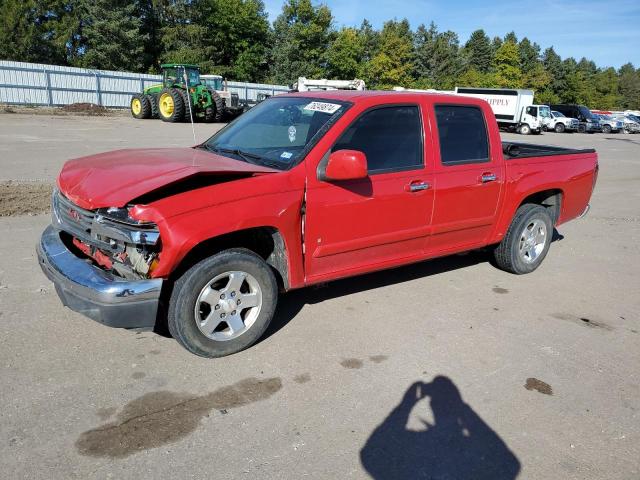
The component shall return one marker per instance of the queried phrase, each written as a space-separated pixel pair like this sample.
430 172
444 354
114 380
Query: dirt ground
448 369
24 198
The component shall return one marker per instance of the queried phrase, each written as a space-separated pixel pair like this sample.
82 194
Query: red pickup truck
301 189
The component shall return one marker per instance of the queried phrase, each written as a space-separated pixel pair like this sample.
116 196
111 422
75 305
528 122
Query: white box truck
514 108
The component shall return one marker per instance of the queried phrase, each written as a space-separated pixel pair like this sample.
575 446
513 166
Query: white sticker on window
292 133
286 155
323 107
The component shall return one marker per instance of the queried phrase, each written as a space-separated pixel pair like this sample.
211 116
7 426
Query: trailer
514 108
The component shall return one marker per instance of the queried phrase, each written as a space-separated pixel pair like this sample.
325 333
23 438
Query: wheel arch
550 198
265 241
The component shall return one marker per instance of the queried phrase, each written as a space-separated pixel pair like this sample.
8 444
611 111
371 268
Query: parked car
560 123
609 124
304 188
629 123
588 122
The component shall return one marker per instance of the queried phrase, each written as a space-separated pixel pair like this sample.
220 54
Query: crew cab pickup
303 188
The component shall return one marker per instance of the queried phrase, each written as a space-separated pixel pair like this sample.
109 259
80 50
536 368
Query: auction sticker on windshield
323 107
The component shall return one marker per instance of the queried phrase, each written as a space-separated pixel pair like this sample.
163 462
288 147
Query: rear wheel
171 105
223 304
140 106
559 128
215 111
527 241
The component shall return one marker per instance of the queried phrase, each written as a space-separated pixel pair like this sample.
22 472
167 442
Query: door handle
488 177
417 186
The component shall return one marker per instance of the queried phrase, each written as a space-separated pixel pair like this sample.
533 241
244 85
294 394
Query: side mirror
346 165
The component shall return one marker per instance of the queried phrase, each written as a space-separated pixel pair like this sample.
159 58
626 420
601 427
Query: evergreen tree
629 87
114 40
437 57
479 52
529 54
302 34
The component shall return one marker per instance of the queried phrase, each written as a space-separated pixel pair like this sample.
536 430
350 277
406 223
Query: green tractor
181 88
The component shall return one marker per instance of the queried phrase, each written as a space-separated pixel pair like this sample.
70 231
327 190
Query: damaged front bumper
96 293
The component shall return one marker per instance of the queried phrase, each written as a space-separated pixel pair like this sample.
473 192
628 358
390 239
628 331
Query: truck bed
513 150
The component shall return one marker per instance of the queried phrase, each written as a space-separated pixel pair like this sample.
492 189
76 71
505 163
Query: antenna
186 83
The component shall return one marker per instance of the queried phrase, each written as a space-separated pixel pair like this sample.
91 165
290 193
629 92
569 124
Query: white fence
51 85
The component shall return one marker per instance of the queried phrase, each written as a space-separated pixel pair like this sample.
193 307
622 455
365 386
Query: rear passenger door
468 179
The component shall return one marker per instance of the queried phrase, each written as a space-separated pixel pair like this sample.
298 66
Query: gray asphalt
532 376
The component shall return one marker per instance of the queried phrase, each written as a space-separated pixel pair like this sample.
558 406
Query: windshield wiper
247 156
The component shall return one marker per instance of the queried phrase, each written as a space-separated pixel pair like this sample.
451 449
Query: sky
606 32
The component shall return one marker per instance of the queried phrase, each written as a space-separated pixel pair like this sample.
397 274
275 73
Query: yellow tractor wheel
140 106
171 105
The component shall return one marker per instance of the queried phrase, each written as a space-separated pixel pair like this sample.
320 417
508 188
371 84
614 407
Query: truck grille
69 217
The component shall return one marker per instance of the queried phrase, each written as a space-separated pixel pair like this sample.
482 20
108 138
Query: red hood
115 178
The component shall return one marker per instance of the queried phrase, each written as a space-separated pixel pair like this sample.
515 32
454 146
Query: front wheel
223 304
525 129
606 129
559 127
527 240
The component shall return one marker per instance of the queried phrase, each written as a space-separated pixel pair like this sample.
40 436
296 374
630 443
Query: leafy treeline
234 38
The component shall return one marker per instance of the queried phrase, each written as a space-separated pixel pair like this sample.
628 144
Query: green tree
345 55
392 65
479 52
629 87
507 66
301 35
437 57
474 78
529 54
41 31
113 37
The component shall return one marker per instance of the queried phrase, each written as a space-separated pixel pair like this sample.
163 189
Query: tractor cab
213 81
173 75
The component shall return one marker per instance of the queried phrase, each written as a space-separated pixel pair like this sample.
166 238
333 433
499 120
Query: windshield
173 76
557 114
215 83
277 132
545 112
586 113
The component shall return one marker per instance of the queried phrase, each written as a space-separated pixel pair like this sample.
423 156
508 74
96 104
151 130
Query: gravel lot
439 370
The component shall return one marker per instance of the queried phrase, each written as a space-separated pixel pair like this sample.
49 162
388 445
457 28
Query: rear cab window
463 135
391 137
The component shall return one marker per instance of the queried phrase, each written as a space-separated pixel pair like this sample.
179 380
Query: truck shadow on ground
457 445
290 304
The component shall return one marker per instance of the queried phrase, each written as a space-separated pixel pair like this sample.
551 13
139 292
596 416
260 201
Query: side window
463 134
533 111
390 137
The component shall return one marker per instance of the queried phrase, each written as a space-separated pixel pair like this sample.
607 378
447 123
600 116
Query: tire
524 129
153 100
559 128
210 281
215 112
140 106
514 254
186 98
171 105
582 128
606 129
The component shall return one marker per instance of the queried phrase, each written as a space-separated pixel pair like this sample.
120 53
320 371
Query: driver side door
353 226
